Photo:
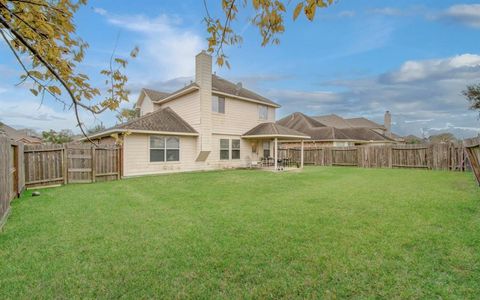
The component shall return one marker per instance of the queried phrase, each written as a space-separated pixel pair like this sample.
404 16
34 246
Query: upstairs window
218 104
262 112
164 148
224 149
235 149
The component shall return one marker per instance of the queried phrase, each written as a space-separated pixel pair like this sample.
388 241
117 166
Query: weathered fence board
62 164
11 174
431 156
472 147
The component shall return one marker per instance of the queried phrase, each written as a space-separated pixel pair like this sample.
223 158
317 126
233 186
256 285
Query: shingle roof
19 135
328 134
364 134
319 132
299 121
363 122
155 95
332 121
218 85
162 120
273 129
222 85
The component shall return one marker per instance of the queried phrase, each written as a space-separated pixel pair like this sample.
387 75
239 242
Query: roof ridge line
140 118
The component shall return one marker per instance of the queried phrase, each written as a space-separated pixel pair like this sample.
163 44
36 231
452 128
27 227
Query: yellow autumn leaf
297 10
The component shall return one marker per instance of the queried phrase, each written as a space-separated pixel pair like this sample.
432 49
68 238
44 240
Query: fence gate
61 164
79 164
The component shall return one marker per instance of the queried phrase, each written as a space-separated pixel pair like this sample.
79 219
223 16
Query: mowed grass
323 233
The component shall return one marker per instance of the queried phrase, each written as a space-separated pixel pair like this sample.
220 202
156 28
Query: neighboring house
22 135
209 124
335 131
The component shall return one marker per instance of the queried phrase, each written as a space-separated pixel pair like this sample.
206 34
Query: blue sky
358 58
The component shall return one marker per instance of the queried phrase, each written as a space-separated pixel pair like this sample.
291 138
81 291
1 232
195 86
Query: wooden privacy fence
62 164
472 147
430 156
11 174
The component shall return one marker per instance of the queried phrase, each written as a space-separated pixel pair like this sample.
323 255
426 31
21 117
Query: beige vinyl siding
246 155
187 107
146 106
136 149
239 117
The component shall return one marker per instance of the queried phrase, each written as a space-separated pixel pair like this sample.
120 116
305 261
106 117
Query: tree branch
51 70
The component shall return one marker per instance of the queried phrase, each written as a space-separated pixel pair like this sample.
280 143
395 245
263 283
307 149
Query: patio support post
301 157
276 154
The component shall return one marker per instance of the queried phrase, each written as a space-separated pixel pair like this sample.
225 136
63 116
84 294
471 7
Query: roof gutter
112 131
301 137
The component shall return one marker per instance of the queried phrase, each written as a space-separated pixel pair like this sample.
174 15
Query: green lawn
325 232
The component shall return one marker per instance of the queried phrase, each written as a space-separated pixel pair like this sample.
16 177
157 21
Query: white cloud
468 14
422 96
418 121
100 11
436 68
387 11
347 14
165 42
32 114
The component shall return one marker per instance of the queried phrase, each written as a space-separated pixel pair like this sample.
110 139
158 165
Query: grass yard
325 232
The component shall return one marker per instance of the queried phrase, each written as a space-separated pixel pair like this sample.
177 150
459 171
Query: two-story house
209 124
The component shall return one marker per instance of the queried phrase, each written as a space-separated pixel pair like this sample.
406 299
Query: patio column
275 153
301 157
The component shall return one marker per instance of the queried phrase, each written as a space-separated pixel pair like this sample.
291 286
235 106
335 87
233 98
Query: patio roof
274 130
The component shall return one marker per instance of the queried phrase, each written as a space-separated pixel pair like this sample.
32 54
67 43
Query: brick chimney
387 123
203 77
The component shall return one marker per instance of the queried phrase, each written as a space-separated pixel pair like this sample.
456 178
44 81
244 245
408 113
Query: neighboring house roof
328 134
363 122
365 134
272 130
30 140
319 132
299 121
161 121
339 122
332 121
222 85
19 135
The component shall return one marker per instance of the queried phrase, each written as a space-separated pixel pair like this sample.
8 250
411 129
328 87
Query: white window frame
224 149
263 112
216 107
236 149
266 149
165 148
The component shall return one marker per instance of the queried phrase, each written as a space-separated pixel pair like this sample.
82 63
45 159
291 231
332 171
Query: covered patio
266 134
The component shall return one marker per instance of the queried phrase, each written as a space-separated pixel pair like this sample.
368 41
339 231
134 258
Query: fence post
119 162
65 164
390 156
94 165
